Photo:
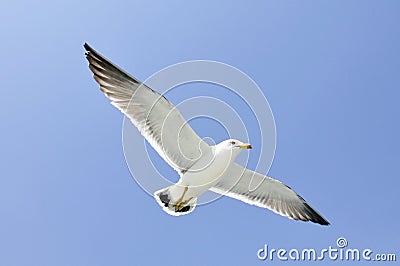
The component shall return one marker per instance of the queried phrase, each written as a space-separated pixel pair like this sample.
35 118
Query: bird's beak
246 146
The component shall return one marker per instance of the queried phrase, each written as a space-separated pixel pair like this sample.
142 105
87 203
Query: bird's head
233 145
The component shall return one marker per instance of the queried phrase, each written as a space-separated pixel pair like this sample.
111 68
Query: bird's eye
232 142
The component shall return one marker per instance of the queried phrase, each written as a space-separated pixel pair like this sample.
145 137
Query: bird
201 166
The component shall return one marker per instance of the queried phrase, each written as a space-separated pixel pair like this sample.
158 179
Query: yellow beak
246 146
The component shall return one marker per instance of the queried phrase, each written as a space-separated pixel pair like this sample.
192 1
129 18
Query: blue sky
329 69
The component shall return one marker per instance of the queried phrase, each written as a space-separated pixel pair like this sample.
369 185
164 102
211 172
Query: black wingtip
316 217
323 222
88 48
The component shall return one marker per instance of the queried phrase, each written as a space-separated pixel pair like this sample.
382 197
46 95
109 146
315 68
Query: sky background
329 69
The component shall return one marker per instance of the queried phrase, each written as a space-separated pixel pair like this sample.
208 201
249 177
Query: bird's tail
171 202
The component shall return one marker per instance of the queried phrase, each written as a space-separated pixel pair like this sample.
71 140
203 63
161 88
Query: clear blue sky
329 69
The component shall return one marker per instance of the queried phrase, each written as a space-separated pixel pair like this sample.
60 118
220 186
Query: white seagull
201 167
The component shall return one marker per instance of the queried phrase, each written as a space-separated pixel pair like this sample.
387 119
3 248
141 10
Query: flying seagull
201 167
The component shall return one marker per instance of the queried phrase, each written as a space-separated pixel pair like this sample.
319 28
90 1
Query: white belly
203 175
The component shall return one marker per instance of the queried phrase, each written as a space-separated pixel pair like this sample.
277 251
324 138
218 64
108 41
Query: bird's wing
157 119
263 191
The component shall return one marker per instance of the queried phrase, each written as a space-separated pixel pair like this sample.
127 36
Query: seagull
201 167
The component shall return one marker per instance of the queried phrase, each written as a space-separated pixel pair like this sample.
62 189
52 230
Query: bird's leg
184 203
178 203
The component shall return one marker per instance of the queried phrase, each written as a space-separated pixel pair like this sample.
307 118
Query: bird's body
202 176
201 167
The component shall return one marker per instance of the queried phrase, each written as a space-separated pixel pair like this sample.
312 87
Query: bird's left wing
157 119
263 191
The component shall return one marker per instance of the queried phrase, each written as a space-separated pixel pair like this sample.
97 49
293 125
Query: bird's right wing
157 119
263 191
